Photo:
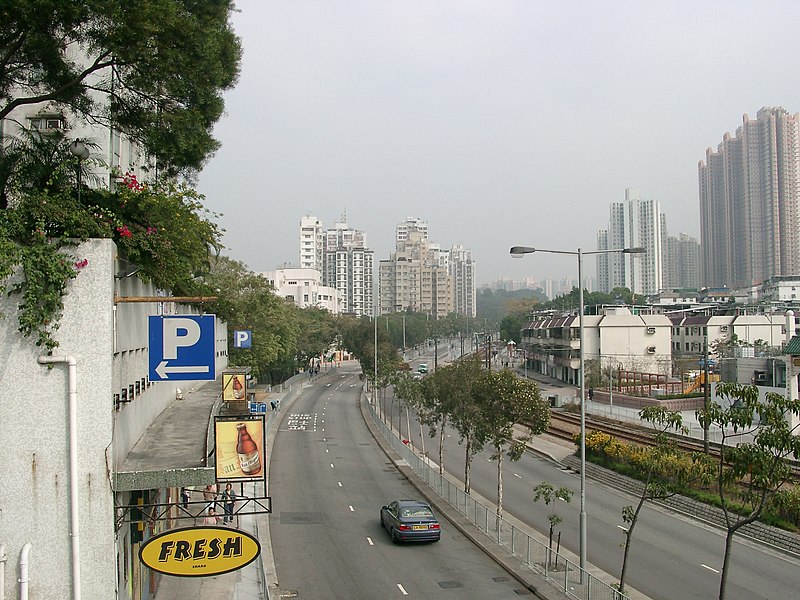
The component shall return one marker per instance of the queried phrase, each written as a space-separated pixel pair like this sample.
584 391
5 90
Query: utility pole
705 394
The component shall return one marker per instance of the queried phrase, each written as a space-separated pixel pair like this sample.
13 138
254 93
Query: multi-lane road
328 480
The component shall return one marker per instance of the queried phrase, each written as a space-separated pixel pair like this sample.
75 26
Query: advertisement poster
234 387
239 448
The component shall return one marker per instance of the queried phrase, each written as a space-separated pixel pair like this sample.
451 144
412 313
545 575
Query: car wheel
395 537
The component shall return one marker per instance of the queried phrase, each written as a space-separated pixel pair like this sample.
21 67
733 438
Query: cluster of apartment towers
336 272
749 219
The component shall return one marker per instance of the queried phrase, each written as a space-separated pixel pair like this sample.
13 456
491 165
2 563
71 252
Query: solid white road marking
369 541
709 568
402 590
623 528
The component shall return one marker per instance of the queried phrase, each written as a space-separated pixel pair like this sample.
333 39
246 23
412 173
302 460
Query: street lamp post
81 152
518 252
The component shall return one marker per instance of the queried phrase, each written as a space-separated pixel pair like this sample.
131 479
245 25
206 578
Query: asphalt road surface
671 556
328 481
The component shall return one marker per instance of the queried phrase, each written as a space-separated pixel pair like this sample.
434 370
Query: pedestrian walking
185 497
228 502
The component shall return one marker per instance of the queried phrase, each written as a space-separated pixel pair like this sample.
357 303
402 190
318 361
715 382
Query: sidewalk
248 582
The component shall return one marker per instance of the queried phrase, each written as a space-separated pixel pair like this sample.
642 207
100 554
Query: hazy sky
498 122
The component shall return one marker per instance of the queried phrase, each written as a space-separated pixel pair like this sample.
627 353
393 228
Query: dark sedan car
410 520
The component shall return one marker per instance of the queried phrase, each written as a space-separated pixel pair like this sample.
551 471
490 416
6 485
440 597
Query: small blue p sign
242 339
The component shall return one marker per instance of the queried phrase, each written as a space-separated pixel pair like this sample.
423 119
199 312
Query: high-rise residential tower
341 256
311 243
750 202
632 223
681 262
422 277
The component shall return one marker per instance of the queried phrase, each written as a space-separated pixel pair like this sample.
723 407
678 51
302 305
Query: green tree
511 412
547 492
247 301
160 67
750 473
663 470
459 395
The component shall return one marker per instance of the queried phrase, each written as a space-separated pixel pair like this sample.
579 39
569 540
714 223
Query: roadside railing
564 574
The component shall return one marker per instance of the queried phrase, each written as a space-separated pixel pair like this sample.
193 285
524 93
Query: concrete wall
35 490
110 346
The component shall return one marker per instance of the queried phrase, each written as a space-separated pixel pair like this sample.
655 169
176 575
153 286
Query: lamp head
79 149
519 251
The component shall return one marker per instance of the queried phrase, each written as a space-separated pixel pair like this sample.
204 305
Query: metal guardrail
564 574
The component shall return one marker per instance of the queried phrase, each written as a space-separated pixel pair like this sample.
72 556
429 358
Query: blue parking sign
182 347
242 338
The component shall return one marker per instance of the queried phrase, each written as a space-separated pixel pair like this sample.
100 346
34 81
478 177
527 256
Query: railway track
566 425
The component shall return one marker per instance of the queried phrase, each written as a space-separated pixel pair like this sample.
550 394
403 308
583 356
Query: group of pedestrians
213 499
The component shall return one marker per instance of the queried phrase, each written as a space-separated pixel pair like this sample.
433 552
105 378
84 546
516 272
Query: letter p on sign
242 339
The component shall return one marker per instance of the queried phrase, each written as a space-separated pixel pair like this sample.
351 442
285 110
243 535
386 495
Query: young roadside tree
663 469
511 412
458 395
547 492
752 465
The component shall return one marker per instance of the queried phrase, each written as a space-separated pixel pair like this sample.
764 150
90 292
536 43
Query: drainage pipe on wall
73 464
23 571
3 558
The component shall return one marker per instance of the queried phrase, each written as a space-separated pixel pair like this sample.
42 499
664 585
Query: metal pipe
23 571
3 559
72 414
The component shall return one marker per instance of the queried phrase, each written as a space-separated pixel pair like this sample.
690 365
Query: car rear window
416 512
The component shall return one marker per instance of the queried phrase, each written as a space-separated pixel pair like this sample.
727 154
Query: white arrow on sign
163 370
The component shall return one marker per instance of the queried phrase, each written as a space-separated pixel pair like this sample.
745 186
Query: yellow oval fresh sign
199 551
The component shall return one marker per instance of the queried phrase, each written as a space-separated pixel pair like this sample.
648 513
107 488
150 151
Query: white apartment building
410 224
312 240
344 262
462 269
632 223
304 288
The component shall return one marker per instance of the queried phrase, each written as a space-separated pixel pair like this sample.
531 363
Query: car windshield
416 511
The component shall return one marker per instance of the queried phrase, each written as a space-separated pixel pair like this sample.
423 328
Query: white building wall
110 349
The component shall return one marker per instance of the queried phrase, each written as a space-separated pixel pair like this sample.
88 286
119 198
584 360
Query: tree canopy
155 69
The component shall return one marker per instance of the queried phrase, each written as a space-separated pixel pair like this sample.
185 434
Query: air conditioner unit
651 349
723 328
651 330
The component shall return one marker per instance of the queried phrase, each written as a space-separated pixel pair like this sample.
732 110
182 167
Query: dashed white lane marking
369 541
709 568
331 465
340 483
352 509
517 475
402 590
623 528
327 451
